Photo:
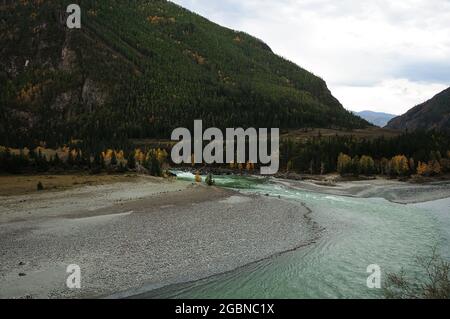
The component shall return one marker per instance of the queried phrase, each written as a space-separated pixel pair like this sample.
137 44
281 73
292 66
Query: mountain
433 114
139 69
377 118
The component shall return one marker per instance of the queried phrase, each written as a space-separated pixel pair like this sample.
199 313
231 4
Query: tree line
15 161
423 153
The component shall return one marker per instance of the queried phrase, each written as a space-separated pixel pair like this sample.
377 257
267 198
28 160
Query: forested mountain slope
138 69
431 115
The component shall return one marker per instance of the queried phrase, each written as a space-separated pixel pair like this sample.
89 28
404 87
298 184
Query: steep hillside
138 69
433 114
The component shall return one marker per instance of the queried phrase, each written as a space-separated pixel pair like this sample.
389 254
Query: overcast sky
381 55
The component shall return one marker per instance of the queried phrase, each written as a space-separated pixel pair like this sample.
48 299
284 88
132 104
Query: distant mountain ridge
434 114
377 118
139 69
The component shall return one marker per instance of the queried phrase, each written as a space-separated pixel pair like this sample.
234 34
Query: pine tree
70 159
56 161
113 161
356 165
290 166
131 161
210 180
155 169
412 164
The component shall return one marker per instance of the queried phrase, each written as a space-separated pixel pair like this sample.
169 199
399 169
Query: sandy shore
142 233
105 191
11 185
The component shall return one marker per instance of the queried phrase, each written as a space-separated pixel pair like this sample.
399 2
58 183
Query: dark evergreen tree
131 161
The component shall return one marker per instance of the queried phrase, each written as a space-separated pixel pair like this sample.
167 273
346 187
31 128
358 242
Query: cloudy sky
381 55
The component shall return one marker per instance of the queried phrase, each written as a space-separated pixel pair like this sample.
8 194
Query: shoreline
152 292
81 198
134 237
173 236
393 190
24 184
327 179
390 190
27 184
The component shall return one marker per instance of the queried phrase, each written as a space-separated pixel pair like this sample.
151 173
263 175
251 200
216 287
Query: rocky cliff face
431 115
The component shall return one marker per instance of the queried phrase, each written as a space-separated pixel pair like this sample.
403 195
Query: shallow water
353 234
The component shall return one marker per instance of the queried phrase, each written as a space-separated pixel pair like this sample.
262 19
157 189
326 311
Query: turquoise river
353 233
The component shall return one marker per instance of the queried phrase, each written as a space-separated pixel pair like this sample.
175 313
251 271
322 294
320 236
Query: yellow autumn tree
63 153
107 155
399 165
434 167
445 165
120 155
28 93
367 165
74 153
161 155
139 156
112 157
422 169
198 178
344 164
